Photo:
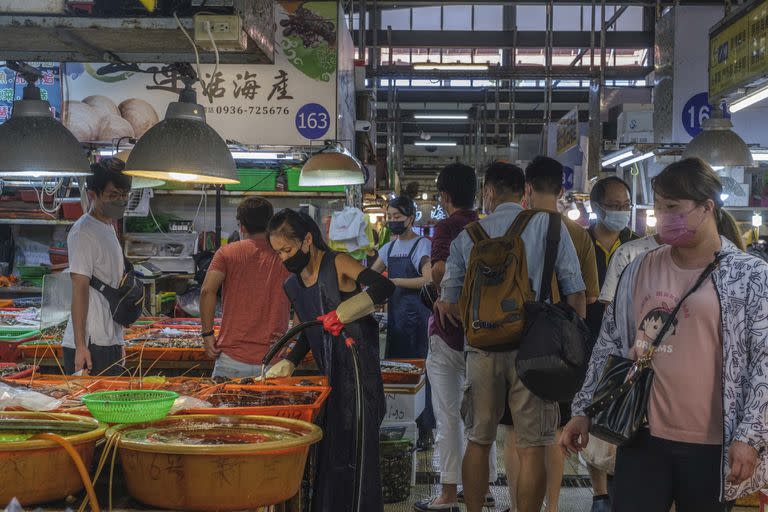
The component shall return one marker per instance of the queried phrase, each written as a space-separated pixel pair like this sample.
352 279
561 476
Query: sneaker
429 504
601 505
490 501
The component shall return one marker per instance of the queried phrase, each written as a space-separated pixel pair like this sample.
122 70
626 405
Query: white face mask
615 221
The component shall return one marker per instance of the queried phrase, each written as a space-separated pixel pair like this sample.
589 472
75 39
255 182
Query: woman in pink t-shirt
706 435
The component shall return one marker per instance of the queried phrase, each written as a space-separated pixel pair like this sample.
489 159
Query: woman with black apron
407 261
322 281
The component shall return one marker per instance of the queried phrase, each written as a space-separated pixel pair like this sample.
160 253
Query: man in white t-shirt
623 256
92 340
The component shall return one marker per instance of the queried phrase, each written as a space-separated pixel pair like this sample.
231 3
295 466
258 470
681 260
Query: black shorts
103 358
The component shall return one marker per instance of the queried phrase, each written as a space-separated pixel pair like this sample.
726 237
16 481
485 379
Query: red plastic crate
21 374
71 210
297 412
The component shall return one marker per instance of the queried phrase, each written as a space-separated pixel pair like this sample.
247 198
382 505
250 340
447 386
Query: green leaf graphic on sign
309 39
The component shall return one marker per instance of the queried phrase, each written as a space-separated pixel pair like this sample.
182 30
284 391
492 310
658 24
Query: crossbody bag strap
550 255
703 277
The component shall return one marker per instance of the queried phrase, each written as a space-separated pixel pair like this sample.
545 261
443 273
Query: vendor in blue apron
323 282
407 262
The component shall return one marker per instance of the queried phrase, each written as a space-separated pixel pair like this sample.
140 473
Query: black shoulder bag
620 402
126 302
556 343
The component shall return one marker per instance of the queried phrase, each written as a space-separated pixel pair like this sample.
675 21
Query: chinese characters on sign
245 84
737 52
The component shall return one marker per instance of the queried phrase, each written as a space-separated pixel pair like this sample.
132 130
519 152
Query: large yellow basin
38 471
215 477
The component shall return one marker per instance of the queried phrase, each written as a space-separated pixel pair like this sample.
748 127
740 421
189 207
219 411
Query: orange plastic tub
405 378
38 471
297 412
242 476
167 354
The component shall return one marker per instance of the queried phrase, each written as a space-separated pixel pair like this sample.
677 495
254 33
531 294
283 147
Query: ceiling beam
490 118
501 39
478 95
641 3
522 72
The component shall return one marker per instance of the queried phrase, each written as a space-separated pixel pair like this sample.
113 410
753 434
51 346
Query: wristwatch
206 334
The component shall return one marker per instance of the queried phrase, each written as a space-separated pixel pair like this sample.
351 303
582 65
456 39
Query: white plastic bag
26 399
188 402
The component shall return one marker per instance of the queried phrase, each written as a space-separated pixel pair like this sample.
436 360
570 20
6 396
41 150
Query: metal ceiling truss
500 39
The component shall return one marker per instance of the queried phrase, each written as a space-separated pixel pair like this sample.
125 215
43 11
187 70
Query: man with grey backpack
494 268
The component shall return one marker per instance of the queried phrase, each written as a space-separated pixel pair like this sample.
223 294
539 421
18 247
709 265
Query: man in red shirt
255 310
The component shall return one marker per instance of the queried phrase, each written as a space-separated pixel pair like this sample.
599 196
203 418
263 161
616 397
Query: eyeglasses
118 196
616 207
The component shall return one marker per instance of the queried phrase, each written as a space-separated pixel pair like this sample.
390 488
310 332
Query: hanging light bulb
574 213
32 142
650 219
424 196
757 219
182 147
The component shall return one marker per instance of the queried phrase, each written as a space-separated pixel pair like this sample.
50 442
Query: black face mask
397 227
298 262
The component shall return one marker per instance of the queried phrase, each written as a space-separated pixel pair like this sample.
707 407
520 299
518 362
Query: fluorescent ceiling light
719 167
440 116
749 100
451 67
260 155
760 157
637 159
434 143
618 156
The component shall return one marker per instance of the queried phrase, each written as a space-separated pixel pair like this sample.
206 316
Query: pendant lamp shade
138 182
333 165
34 144
718 145
182 147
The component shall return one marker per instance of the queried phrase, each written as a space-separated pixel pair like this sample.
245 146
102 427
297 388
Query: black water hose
284 339
359 412
359 426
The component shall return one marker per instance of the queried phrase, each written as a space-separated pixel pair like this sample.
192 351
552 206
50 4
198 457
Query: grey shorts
492 384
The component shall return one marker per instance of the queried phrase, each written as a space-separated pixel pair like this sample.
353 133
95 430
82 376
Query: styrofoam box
412 433
404 407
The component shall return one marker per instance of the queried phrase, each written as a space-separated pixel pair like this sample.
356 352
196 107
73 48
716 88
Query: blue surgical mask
615 220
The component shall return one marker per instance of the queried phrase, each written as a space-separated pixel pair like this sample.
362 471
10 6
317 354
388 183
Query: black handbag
556 344
620 402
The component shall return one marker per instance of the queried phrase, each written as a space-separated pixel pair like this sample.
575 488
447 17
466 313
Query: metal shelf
38 222
34 37
239 193
21 290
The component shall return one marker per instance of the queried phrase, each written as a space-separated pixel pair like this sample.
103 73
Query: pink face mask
674 230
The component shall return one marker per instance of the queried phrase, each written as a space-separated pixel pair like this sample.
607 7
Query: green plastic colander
130 406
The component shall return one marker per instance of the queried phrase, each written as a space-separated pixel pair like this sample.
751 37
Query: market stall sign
290 102
738 50
568 131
